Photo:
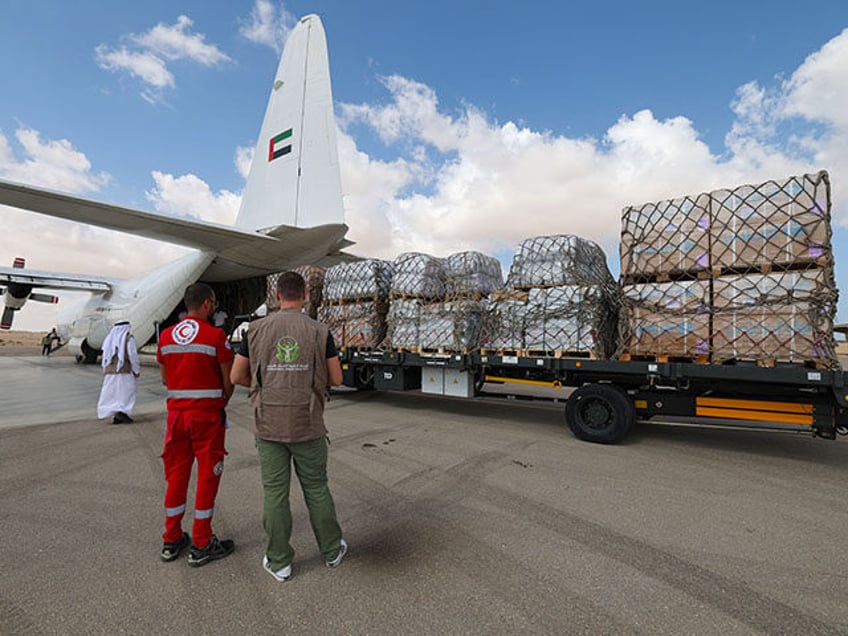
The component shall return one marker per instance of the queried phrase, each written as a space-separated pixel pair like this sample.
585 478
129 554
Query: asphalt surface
463 517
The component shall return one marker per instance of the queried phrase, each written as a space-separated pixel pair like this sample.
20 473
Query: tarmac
463 517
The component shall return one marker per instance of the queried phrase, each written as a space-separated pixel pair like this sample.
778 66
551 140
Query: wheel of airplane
89 355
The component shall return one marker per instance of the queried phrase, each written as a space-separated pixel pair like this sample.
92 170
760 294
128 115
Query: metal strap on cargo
196 394
209 350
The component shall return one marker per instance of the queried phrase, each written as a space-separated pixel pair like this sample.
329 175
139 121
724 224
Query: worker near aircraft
121 369
195 361
289 361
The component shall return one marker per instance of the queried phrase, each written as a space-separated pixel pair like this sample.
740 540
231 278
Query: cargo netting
359 280
561 300
739 274
356 325
562 259
440 304
356 303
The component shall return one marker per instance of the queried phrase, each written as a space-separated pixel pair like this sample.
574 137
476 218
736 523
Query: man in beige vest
121 369
289 360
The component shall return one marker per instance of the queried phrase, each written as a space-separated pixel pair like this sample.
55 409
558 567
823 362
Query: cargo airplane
291 214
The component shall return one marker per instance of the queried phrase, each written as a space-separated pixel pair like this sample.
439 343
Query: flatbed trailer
610 395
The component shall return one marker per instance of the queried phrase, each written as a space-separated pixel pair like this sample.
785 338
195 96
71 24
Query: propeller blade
44 298
8 317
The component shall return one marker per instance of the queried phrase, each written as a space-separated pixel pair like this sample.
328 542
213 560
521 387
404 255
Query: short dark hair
291 286
197 294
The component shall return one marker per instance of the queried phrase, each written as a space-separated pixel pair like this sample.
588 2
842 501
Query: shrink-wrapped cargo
670 318
570 319
563 259
437 303
403 323
367 279
472 274
418 275
452 326
569 303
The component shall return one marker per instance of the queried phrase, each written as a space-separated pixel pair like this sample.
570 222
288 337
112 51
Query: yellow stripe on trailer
755 410
556 384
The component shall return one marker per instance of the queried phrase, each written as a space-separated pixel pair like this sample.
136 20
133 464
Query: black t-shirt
332 352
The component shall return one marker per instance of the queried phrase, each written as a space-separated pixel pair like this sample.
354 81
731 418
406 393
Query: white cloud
243 159
455 179
268 24
483 184
145 66
190 196
53 164
818 89
147 59
173 42
52 244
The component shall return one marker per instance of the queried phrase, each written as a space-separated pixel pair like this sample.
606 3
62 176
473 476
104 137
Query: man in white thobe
121 368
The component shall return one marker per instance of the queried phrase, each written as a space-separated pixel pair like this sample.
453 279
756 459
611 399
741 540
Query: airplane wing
50 280
189 233
239 253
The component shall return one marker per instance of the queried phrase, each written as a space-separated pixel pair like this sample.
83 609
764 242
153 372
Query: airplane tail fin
294 177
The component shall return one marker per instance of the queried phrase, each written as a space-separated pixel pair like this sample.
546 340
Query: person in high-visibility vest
195 360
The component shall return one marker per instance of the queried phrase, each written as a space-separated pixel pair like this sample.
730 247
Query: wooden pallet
413 297
540 353
430 350
353 301
799 265
520 295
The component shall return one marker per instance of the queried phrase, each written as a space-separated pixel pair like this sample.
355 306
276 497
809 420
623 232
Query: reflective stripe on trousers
196 393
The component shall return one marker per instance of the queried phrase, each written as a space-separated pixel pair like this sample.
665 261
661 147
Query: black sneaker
171 551
212 552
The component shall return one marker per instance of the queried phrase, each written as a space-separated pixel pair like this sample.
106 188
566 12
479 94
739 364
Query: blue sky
463 124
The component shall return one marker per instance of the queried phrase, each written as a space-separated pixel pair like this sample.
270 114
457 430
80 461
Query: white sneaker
339 556
283 574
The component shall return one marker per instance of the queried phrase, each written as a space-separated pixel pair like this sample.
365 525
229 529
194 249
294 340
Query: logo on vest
186 331
288 350
217 469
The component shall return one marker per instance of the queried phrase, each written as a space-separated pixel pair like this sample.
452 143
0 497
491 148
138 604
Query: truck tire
600 413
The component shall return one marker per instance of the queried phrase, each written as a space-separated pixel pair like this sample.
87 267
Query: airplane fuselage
144 302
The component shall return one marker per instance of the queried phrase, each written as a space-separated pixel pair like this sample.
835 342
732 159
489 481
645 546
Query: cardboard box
791 333
664 237
655 334
769 223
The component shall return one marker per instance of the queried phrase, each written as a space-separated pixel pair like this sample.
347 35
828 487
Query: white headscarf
116 344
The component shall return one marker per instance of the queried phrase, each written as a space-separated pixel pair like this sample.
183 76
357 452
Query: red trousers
192 435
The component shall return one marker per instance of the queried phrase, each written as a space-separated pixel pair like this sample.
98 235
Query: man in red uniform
195 360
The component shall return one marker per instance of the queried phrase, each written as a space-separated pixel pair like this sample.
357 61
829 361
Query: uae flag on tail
280 145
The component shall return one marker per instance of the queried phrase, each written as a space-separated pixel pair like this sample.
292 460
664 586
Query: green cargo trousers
310 464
